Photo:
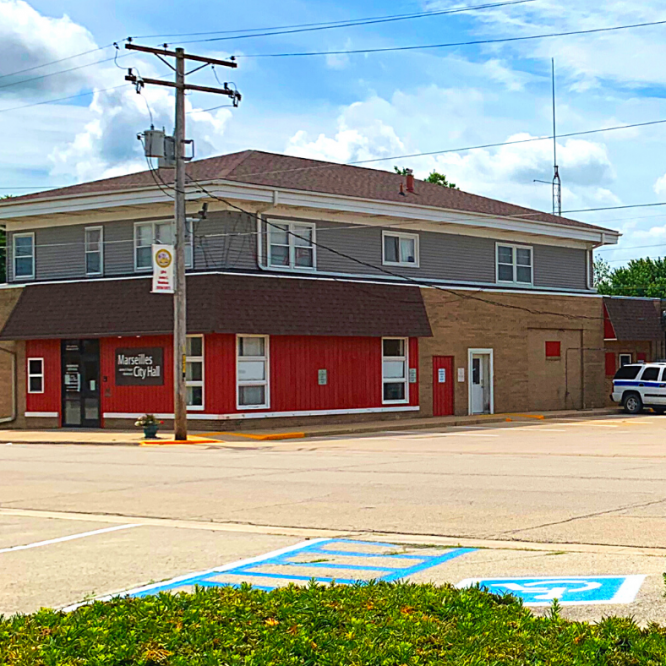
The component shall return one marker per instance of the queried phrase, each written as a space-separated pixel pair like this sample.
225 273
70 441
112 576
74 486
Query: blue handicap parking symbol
343 561
569 590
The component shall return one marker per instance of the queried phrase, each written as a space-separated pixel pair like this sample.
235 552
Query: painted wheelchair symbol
568 590
547 590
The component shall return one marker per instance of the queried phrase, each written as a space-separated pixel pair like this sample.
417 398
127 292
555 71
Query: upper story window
400 249
291 245
148 233
94 250
24 256
514 264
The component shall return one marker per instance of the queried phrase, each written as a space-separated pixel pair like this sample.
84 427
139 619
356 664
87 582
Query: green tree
640 277
602 272
434 177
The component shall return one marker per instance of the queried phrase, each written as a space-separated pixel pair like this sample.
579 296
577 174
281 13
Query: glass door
80 390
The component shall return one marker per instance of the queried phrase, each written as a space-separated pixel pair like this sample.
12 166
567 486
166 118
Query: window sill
247 408
400 264
196 408
395 402
294 269
514 284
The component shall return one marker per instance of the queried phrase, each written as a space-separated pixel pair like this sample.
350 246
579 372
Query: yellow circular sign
163 258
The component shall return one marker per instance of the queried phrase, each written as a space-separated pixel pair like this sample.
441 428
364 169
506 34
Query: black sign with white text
140 367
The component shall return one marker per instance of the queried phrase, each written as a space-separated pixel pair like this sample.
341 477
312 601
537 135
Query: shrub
377 624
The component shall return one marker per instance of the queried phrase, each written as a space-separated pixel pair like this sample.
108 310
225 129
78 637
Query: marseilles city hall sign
140 367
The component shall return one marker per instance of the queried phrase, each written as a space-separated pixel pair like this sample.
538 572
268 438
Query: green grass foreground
378 624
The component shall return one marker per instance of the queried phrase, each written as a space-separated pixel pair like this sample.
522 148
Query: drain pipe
12 418
260 234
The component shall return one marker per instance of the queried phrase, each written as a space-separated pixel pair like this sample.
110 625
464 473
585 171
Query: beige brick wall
513 326
8 299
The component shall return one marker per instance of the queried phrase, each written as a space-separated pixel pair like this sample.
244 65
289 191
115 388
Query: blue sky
347 108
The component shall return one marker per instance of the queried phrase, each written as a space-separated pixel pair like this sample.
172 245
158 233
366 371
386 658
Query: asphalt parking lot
570 508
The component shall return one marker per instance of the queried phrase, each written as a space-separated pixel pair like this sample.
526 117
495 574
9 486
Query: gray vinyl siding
228 241
60 251
561 267
443 256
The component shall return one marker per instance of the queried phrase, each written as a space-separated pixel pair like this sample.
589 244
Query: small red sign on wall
553 349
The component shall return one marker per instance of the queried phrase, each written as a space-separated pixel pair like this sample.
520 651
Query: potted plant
150 425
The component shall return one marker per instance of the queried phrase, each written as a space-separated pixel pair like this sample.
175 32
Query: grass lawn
377 624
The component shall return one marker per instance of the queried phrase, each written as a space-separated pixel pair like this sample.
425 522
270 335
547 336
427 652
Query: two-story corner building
314 290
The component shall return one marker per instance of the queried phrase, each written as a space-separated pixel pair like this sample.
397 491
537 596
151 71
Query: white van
641 385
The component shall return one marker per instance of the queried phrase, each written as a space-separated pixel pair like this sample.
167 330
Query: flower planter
150 431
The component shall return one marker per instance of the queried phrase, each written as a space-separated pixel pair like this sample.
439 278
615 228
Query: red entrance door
442 385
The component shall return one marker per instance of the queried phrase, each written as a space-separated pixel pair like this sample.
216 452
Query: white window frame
31 235
196 383
626 355
100 251
189 246
393 380
36 374
266 383
400 235
514 247
292 245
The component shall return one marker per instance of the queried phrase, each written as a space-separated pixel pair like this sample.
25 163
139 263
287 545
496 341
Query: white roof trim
288 197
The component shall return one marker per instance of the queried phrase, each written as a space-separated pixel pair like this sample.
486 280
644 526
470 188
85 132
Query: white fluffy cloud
108 145
433 118
629 57
27 39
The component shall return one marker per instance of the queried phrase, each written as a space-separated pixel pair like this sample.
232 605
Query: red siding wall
354 368
609 331
50 400
135 399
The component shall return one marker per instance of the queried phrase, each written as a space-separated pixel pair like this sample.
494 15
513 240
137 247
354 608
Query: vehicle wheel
659 410
633 404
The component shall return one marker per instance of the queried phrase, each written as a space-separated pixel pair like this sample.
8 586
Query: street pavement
579 505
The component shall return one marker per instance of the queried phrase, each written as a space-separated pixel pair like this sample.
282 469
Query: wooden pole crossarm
172 54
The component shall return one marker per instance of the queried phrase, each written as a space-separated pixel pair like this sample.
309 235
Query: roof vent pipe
410 180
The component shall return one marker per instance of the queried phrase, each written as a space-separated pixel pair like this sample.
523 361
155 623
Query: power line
327 24
330 165
404 278
476 42
55 62
62 71
62 99
360 22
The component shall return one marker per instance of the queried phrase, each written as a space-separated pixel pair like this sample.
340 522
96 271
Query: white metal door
481 383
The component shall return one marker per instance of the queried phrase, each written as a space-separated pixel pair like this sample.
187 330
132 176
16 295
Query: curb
352 429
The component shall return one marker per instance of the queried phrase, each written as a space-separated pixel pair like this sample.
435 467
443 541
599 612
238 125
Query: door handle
641 384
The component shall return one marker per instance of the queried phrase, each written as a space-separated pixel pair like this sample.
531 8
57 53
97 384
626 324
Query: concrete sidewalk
135 437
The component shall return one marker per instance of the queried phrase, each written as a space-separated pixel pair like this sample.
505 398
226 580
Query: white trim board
42 415
266 415
317 200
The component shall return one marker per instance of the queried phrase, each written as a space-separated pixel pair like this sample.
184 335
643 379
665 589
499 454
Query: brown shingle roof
296 173
218 304
634 319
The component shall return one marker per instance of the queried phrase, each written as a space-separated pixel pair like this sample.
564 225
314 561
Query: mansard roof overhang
219 303
265 198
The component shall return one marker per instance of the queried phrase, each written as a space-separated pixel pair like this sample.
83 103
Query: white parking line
71 537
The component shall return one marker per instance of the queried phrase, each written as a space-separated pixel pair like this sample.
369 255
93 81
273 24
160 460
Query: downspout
260 234
12 418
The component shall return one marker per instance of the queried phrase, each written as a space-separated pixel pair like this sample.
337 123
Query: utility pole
557 181
180 295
